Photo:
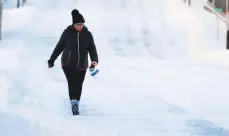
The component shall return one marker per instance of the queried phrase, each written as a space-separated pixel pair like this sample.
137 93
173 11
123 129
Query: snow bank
9 64
202 89
17 19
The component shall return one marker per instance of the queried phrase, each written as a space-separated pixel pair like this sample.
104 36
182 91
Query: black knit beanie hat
77 17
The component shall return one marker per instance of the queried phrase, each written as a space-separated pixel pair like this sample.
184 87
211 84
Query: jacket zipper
78 48
69 55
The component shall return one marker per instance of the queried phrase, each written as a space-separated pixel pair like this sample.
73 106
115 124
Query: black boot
75 107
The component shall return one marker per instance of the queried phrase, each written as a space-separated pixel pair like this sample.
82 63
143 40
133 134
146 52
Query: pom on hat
75 12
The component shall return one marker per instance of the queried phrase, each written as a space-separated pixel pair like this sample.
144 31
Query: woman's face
79 26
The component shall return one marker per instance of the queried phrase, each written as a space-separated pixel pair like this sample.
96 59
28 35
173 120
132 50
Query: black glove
50 63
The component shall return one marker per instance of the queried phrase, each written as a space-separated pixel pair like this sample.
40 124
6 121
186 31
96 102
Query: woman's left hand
94 63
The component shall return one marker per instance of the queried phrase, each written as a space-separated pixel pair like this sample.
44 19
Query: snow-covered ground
163 71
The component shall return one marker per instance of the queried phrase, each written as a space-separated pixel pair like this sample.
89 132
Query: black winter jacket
75 46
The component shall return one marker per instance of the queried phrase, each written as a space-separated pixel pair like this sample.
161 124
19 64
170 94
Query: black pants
75 79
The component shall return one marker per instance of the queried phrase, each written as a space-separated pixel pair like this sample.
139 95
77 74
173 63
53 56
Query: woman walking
76 42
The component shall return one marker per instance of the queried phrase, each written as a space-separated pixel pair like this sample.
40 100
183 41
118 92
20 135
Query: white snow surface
164 70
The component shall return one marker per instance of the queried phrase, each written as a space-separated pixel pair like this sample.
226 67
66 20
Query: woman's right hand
50 63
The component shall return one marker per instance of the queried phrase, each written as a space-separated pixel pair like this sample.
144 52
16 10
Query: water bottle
93 71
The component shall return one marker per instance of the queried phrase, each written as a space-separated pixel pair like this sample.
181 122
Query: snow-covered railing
211 8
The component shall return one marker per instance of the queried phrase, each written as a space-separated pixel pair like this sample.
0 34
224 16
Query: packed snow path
148 84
